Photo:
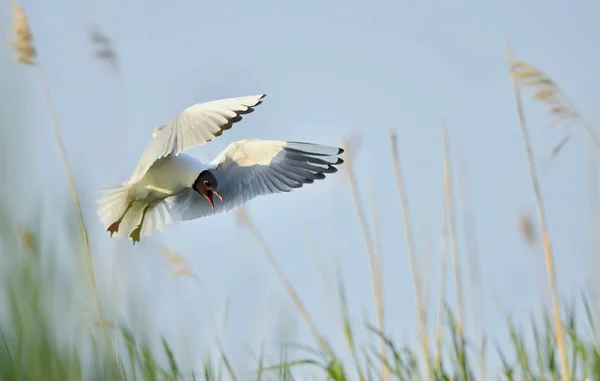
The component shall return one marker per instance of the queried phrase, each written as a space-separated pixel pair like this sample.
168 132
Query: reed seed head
181 270
527 228
545 91
23 39
29 240
181 266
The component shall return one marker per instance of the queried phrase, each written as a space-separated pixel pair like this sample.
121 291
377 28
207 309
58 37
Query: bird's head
206 184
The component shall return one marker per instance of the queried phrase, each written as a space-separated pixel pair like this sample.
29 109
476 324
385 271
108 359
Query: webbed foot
135 234
113 228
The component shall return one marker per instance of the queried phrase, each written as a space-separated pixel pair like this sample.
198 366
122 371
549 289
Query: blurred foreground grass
45 336
36 321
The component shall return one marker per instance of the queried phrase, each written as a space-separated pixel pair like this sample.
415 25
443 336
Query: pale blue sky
330 70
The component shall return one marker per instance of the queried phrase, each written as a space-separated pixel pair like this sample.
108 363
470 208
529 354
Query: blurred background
343 75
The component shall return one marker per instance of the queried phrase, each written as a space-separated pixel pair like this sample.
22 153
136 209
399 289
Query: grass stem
412 256
451 215
560 338
372 259
286 283
75 199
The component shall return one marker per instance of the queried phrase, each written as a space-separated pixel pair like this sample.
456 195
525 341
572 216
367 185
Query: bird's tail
112 204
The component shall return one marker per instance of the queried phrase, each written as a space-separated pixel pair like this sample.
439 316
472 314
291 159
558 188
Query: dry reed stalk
425 267
473 255
115 279
314 254
244 218
379 266
26 54
412 255
560 338
182 268
371 255
346 322
452 230
107 53
594 248
376 236
439 336
530 236
454 248
225 319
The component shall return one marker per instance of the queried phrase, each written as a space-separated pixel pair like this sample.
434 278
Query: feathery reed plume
26 54
182 268
453 235
411 255
372 259
549 93
558 328
104 48
439 336
245 219
24 48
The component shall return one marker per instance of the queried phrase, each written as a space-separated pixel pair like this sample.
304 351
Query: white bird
168 186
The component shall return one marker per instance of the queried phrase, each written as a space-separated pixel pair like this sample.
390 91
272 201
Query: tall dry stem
452 228
425 267
286 283
473 255
376 232
454 244
412 257
315 255
439 336
372 259
26 54
594 226
558 328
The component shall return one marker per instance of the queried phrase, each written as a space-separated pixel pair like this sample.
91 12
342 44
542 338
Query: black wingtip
260 100
340 151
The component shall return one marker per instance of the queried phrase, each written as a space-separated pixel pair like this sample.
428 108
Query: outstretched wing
251 168
194 126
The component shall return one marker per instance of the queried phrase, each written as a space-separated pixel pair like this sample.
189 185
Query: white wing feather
194 126
253 167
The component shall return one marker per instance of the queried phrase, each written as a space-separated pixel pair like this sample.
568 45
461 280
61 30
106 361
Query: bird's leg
135 234
114 227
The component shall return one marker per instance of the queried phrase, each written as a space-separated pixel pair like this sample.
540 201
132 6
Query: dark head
206 184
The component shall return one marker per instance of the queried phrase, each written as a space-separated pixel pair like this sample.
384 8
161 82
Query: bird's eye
206 183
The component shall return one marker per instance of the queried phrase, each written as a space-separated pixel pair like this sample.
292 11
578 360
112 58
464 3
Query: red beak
209 196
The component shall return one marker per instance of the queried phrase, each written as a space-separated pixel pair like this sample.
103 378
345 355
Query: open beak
209 196
218 195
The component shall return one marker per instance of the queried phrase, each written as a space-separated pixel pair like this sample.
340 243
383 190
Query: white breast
166 177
